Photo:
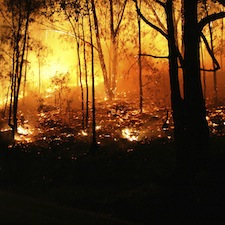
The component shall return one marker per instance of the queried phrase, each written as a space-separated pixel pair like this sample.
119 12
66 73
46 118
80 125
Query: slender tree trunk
203 72
16 74
19 50
222 43
113 50
110 64
215 88
25 72
80 76
76 32
112 39
100 54
114 34
114 65
94 140
86 75
39 72
139 59
176 99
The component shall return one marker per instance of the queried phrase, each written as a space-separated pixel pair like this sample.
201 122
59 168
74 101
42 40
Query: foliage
60 83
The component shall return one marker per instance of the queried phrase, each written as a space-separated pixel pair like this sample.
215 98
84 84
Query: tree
168 33
74 11
60 83
114 14
114 35
196 127
94 140
139 59
108 90
42 52
189 113
85 71
194 101
18 15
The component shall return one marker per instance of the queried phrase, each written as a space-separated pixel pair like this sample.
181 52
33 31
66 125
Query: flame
98 127
130 134
83 133
23 131
24 134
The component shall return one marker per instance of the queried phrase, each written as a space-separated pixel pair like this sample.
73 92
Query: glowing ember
130 134
84 133
24 134
98 127
5 129
23 131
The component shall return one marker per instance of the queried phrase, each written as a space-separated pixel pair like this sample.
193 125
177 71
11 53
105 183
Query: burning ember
24 134
23 131
83 133
130 134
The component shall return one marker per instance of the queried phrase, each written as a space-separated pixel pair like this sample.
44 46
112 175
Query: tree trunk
86 75
19 50
94 141
114 65
203 72
113 50
100 53
139 59
215 88
114 39
197 132
176 99
80 75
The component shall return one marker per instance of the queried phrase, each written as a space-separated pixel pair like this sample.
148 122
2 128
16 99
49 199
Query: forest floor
131 179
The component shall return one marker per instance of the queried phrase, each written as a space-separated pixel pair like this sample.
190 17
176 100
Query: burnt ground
51 172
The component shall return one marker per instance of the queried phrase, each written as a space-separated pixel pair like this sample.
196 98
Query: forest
112 111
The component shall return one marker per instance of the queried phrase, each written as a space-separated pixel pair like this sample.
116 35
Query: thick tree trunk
196 130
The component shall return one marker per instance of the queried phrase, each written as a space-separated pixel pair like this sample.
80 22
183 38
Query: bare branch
144 85
161 3
151 24
209 19
61 30
155 56
121 17
128 72
156 16
208 70
217 66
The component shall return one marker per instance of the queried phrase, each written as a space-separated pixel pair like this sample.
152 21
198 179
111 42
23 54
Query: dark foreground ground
135 185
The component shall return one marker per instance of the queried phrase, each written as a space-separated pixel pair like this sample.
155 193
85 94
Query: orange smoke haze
59 57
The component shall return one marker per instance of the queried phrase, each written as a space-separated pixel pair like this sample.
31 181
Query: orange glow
130 134
54 52
24 134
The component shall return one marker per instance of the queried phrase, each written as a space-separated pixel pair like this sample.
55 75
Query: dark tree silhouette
189 112
18 15
94 140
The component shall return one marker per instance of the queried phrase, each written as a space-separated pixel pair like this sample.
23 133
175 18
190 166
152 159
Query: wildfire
24 134
83 133
130 134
